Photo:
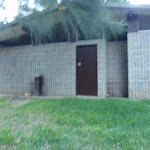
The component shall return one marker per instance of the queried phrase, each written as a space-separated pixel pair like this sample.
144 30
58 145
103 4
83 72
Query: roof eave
127 5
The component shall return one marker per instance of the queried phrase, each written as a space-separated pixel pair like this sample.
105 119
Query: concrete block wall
56 62
20 65
139 64
117 69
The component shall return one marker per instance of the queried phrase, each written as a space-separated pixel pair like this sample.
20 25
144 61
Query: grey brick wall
117 70
56 62
20 65
139 64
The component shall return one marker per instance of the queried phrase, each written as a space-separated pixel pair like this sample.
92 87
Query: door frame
96 68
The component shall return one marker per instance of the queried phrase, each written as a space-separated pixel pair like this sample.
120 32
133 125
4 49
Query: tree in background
89 19
1 4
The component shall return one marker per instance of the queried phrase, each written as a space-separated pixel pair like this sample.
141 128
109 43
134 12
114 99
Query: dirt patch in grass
18 100
21 100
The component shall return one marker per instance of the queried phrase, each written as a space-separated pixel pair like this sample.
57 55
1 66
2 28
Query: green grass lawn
73 123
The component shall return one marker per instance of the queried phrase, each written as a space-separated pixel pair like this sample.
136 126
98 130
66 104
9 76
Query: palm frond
89 19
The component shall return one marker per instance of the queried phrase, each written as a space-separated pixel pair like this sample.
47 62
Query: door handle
79 64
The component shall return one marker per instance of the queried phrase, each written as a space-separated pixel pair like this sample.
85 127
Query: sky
12 5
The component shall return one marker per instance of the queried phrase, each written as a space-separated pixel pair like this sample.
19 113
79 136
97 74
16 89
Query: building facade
93 67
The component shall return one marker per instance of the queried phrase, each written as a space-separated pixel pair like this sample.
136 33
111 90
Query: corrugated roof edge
127 5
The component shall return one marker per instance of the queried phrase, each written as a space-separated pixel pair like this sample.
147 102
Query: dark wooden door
86 70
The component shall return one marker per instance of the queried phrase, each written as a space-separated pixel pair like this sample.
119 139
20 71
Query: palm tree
88 19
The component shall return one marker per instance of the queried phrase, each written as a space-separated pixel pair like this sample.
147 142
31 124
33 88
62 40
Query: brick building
93 67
